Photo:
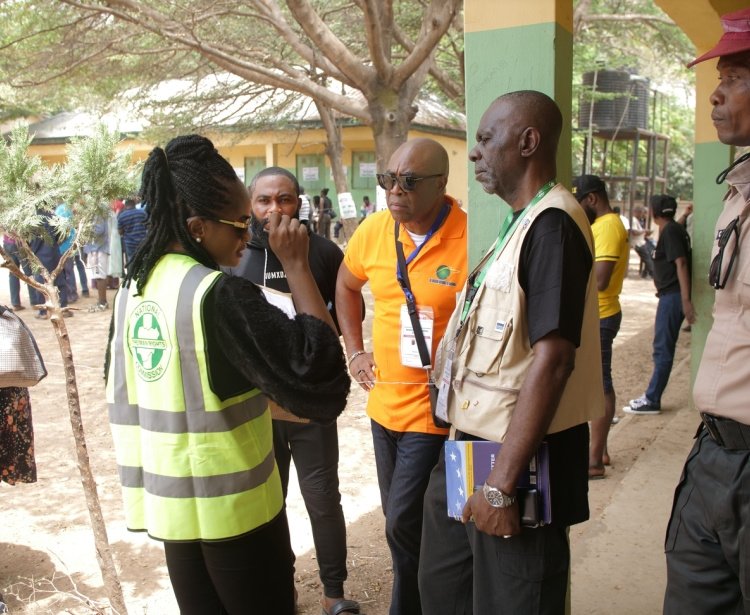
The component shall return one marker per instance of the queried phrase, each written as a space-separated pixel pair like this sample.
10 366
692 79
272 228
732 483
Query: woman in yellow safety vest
193 356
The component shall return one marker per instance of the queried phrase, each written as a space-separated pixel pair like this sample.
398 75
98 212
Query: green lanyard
506 232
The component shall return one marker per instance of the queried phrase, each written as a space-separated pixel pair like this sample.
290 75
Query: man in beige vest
519 364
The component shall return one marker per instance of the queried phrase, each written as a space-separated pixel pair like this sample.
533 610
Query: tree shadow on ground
32 578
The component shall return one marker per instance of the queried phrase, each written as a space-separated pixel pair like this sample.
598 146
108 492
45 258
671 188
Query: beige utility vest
492 354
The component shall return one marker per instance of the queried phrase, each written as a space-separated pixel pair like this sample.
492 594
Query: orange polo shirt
399 401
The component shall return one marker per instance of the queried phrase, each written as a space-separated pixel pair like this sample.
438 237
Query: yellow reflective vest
191 465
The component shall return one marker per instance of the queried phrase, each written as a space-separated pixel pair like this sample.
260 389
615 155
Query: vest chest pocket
487 341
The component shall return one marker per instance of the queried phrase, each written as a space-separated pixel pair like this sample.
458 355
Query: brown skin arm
683 275
289 241
554 359
349 315
603 271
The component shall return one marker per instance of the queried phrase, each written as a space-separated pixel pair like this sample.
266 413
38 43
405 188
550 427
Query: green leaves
97 170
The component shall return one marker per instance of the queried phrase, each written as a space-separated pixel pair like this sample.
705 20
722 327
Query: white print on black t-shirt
275 275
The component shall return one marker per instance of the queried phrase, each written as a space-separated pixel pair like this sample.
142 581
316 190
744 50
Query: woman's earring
198 239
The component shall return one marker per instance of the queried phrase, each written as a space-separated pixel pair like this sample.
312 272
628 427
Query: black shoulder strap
411 305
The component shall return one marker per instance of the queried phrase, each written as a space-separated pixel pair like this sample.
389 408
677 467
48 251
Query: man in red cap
708 537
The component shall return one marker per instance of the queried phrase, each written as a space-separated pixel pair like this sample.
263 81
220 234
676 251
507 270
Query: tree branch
377 23
225 57
311 56
443 79
436 21
356 72
642 18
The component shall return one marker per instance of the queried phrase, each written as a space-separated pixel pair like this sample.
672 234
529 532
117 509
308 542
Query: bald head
540 111
516 148
426 152
415 182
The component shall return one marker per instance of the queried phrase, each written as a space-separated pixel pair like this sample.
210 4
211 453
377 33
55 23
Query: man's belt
727 433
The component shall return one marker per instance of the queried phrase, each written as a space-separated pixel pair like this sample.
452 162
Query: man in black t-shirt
313 446
490 563
672 264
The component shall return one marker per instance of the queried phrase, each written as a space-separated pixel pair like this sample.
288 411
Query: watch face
497 498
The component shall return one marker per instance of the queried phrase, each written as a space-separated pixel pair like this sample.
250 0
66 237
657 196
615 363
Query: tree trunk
390 127
335 150
103 551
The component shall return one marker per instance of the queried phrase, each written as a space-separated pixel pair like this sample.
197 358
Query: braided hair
187 178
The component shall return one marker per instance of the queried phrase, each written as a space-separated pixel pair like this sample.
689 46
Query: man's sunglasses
407 183
715 277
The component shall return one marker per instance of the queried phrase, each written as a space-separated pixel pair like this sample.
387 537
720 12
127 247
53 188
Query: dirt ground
47 558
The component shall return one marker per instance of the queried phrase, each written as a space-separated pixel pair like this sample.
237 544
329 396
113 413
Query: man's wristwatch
497 498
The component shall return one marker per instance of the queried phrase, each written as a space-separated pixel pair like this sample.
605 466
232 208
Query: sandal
343 606
596 472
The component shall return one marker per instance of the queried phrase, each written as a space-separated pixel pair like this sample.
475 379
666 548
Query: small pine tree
94 174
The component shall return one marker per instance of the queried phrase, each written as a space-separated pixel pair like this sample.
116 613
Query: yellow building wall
281 148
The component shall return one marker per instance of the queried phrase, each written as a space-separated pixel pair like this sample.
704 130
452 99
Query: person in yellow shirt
612 250
431 229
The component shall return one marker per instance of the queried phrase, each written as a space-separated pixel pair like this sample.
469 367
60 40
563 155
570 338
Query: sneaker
642 405
86 293
99 307
18 308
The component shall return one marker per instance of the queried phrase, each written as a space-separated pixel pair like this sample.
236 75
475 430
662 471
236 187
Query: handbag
21 363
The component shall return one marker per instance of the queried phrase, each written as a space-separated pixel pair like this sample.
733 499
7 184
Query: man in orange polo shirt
432 231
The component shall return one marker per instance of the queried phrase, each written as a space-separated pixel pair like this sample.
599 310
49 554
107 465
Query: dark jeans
404 461
669 317
463 571
70 279
608 329
708 536
644 251
37 298
315 450
250 575
14 283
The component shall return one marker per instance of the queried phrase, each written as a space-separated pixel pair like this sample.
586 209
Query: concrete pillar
514 45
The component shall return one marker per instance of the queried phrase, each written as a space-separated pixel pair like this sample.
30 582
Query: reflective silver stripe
195 421
197 486
119 353
191 377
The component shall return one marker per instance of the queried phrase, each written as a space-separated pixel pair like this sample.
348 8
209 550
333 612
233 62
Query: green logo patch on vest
149 343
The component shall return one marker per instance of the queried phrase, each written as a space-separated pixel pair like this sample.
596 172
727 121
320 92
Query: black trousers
315 450
708 536
463 571
250 575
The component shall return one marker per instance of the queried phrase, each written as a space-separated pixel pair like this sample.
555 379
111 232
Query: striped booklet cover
468 463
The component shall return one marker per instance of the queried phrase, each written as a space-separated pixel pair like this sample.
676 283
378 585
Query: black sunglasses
715 278
407 183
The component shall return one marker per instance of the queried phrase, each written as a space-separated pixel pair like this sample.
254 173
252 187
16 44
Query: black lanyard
402 275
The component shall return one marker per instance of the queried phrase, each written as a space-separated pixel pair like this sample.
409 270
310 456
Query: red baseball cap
736 37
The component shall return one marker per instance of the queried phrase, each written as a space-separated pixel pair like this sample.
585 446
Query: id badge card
409 349
441 407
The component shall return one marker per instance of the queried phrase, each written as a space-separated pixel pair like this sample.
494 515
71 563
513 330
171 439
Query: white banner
380 201
346 206
310 174
367 169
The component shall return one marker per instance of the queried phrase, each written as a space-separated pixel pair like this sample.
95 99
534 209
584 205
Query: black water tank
629 110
